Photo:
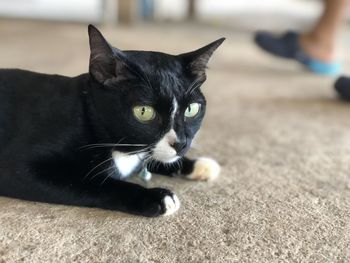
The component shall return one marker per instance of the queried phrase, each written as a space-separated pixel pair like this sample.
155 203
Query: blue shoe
287 46
342 86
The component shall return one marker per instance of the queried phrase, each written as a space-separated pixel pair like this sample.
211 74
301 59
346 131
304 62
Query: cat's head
149 98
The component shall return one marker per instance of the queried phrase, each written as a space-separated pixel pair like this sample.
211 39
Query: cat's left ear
196 61
107 64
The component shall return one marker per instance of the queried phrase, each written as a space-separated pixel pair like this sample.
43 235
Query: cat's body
73 140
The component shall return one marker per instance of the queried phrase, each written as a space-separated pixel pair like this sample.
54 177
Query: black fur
52 127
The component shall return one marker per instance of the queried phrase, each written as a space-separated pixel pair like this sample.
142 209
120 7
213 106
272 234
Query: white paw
171 204
205 169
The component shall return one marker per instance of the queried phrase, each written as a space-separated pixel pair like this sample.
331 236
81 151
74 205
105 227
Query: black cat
73 140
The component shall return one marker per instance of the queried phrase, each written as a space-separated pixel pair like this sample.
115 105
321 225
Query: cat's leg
201 169
135 199
62 187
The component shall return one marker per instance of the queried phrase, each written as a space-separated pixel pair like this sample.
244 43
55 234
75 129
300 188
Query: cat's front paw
204 169
168 202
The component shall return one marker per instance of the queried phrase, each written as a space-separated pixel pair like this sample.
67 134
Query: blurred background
31 29
240 14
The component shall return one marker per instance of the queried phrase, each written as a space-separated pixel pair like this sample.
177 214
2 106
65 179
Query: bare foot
317 49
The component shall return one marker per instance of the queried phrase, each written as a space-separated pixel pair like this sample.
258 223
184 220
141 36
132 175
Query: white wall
170 9
176 9
227 7
243 14
247 14
73 10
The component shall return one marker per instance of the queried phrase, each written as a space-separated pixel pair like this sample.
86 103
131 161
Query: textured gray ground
282 138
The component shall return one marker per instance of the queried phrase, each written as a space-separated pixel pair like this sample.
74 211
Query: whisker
100 172
112 145
108 176
93 169
140 151
151 164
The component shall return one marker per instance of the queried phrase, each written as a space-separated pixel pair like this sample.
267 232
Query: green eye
144 113
192 110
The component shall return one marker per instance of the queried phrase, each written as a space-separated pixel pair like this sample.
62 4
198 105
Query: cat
74 140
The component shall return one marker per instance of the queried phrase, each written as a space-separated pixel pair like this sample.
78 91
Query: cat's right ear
105 61
197 60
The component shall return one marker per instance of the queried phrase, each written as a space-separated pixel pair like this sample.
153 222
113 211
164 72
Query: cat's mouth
169 156
164 152
168 150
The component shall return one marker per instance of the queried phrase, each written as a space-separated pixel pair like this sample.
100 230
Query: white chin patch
163 151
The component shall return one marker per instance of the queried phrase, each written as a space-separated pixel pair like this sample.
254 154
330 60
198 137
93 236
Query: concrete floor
279 133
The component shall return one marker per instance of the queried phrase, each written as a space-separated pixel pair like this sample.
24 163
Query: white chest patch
125 163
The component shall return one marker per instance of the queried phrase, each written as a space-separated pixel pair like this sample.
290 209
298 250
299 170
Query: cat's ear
106 62
196 61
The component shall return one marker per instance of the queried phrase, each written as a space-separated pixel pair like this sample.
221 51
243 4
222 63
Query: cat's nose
179 146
